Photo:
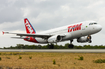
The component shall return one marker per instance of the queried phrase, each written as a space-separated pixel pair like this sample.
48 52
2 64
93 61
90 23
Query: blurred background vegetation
22 46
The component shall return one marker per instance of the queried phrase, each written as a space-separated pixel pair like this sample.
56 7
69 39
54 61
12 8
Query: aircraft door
83 27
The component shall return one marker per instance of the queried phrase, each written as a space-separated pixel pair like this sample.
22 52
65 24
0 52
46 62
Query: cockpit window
92 23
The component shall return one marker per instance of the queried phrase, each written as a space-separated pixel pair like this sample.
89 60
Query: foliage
0 58
54 62
8 57
20 57
30 57
80 58
22 46
99 61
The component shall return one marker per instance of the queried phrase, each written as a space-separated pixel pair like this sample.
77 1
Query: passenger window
95 23
91 24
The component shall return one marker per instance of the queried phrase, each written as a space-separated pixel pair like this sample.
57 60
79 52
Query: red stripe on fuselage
31 39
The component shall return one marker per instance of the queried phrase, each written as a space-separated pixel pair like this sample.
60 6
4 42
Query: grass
80 58
54 62
51 60
99 61
30 57
0 58
20 57
8 57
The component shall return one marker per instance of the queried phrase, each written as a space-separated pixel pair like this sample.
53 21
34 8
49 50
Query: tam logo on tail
28 26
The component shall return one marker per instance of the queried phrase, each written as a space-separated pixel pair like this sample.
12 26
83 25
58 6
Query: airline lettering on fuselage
28 26
74 27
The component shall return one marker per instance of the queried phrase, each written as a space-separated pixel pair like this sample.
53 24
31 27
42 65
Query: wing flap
30 35
19 38
44 36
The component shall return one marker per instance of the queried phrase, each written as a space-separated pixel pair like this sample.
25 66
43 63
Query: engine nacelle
54 39
84 39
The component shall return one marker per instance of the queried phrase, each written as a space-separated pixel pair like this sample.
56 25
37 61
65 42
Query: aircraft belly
67 37
40 40
72 35
76 34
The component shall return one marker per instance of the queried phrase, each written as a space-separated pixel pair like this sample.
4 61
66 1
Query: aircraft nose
99 27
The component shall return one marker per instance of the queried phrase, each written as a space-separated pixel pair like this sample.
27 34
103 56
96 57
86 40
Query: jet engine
84 39
54 39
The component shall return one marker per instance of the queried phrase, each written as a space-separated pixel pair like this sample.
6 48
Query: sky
48 14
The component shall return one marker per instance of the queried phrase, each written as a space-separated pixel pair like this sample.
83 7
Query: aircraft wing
30 35
45 36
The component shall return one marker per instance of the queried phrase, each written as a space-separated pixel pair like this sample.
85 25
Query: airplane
81 31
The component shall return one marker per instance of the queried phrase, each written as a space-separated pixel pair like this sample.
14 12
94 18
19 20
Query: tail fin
28 26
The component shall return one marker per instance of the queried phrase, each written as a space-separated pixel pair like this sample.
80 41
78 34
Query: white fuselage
72 31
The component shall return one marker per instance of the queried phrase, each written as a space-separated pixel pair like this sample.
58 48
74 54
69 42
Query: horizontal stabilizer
19 38
5 32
